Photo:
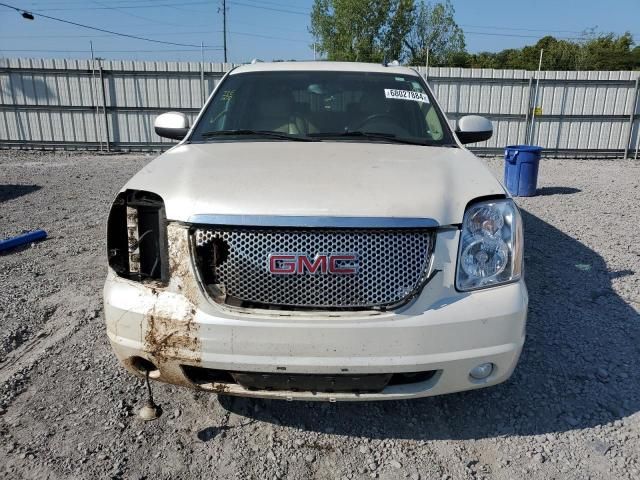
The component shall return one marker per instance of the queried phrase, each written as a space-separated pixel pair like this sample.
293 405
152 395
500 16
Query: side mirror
173 125
474 128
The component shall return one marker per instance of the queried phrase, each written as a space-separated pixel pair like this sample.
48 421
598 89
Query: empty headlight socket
137 236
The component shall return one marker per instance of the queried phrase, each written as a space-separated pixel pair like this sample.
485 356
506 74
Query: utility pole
535 99
202 94
104 104
426 70
224 28
94 98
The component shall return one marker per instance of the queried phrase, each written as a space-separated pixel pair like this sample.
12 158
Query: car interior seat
275 112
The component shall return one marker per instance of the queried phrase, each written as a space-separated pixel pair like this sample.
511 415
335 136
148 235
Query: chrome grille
392 264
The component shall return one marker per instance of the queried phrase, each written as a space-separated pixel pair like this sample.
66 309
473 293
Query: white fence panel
74 104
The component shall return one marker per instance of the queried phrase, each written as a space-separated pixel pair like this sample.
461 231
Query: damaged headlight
491 244
136 236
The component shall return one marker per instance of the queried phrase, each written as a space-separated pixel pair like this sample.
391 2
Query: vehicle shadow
542 191
578 368
9 192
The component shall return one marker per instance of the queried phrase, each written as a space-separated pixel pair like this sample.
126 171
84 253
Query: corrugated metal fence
596 113
105 105
112 104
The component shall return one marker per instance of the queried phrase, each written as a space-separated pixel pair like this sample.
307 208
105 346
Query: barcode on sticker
406 95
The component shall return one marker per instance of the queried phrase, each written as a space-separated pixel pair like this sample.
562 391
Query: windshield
349 106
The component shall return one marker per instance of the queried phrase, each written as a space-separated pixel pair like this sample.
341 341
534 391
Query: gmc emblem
299 263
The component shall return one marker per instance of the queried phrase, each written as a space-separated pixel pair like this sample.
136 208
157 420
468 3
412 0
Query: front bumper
443 330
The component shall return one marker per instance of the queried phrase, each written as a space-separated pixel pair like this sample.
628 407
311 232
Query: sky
271 29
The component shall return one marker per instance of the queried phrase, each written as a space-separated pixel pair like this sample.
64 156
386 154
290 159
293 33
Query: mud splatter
171 338
172 334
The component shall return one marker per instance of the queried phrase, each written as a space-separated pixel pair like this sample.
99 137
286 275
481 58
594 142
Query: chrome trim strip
297 221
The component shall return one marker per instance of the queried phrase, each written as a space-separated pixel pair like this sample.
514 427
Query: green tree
435 30
592 52
608 52
361 30
405 30
635 58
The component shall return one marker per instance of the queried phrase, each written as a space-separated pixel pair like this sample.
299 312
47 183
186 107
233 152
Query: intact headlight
491 245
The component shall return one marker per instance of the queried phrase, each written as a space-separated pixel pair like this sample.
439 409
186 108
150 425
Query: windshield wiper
389 137
260 133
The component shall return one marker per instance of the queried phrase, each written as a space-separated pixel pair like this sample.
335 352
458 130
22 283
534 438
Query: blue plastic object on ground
22 239
521 169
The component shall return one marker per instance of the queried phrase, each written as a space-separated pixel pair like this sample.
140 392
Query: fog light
481 371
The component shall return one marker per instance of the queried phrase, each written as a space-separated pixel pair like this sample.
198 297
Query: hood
337 179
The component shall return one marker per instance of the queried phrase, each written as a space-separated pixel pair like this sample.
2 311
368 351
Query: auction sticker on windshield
406 95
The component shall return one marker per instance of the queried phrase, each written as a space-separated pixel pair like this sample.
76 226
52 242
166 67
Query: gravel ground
571 410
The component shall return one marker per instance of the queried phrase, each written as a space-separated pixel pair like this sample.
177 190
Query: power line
135 37
261 6
206 32
134 15
121 7
279 27
495 34
277 4
519 29
190 32
273 9
271 37
110 51
82 2
286 6
582 33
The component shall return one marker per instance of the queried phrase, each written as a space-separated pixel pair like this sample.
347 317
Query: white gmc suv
319 233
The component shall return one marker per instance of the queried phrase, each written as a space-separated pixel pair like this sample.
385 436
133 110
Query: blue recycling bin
521 169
